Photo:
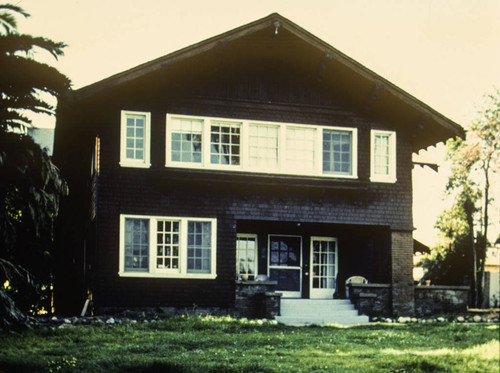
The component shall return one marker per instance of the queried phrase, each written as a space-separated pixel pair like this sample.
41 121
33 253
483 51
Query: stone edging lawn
490 316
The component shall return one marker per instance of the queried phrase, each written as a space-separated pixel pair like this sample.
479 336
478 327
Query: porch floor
319 312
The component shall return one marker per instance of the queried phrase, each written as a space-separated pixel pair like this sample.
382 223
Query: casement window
261 147
153 246
246 255
383 156
135 139
225 143
186 140
337 152
300 149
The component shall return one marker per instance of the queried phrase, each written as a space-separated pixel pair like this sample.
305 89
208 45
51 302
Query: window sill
168 275
387 180
171 175
267 172
135 165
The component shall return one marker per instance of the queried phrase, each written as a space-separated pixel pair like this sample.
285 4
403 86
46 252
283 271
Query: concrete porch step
319 311
315 305
341 320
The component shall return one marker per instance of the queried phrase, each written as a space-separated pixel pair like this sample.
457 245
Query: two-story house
261 153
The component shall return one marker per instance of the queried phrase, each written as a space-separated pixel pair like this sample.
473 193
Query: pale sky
446 53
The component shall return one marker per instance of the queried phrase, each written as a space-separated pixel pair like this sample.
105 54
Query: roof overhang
275 37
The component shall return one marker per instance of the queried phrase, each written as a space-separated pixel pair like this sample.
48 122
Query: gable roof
275 35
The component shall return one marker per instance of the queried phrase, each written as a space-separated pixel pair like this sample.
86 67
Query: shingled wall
230 197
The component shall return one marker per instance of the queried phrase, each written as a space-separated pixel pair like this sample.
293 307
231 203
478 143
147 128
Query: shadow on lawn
177 368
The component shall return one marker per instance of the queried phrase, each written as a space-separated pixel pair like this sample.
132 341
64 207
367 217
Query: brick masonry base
403 290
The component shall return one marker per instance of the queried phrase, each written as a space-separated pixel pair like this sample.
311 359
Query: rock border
107 320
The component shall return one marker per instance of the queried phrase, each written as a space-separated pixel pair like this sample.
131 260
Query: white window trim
244 166
256 258
168 273
391 177
140 163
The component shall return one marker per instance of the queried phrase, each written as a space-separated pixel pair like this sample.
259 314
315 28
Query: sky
444 52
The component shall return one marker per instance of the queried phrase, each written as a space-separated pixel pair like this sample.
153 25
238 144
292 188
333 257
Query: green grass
212 344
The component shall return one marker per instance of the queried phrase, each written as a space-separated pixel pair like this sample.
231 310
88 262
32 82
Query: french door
285 264
324 267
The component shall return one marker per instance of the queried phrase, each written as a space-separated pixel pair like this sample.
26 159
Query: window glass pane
136 245
167 244
337 152
135 136
186 140
285 251
381 154
246 254
263 146
300 147
199 247
225 143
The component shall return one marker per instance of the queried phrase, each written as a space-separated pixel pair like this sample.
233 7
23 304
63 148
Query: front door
285 264
324 267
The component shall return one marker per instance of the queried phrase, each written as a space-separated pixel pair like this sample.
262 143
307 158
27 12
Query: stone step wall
257 299
376 299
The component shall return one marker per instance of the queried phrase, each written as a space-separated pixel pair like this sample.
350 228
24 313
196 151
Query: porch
258 299
311 260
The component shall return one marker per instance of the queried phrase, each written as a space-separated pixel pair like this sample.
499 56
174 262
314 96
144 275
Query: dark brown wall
229 197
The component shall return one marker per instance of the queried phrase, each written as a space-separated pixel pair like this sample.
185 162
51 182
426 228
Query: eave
370 92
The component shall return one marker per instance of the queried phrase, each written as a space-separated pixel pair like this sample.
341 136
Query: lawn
209 344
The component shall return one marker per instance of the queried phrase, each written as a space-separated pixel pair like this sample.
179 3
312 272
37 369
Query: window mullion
354 150
206 142
168 140
183 246
282 166
152 245
392 155
213 248
318 152
244 145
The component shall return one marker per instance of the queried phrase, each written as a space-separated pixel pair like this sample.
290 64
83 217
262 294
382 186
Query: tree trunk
469 209
480 285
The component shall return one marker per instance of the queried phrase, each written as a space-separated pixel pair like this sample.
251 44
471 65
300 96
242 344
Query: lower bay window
258 146
157 246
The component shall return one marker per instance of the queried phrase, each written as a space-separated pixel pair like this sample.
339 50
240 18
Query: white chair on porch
354 280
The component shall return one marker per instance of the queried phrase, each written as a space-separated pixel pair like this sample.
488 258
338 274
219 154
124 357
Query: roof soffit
275 38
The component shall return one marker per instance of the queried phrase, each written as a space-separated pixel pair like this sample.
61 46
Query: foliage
25 82
464 226
447 265
30 191
30 184
7 19
211 344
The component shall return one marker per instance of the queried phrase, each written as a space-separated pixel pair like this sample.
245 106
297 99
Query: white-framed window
337 152
135 136
383 156
300 149
261 147
225 143
246 255
186 140
159 246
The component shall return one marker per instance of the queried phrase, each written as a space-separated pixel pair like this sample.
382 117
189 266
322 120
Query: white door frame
322 293
286 294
